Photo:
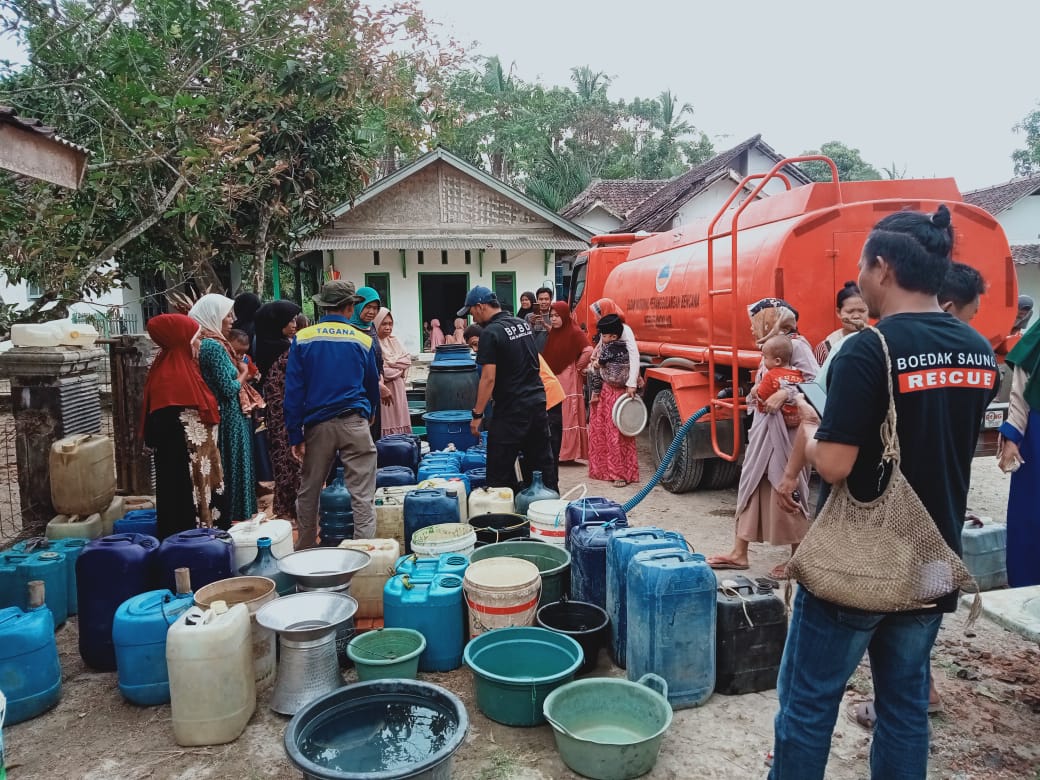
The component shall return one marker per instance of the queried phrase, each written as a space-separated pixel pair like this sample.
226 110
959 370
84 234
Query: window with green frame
503 284
381 284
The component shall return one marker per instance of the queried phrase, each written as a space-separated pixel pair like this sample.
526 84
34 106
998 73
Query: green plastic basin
554 564
516 668
387 653
608 728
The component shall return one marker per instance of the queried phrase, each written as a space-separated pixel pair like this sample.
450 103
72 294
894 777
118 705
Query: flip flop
862 714
722 562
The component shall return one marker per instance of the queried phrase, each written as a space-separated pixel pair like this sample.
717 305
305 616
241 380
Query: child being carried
776 359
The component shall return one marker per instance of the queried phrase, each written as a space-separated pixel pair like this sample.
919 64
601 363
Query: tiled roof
9 116
615 196
999 197
1026 254
657 211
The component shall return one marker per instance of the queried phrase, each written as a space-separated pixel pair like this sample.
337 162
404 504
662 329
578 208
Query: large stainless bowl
324 567
305 616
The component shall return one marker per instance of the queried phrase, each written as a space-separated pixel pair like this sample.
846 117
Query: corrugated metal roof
10 117
439 242
1026 254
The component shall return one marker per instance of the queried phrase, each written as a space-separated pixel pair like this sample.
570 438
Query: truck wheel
720 474
684 473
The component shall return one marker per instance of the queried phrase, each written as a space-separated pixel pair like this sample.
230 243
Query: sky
930 87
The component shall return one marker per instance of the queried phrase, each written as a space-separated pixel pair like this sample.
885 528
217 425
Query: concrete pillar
54 394
130 358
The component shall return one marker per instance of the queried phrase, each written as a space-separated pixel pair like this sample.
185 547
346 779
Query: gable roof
503 189
9 116
1001 197
657 211
1026 254
618 197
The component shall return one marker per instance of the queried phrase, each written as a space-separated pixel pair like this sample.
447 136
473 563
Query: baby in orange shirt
776 362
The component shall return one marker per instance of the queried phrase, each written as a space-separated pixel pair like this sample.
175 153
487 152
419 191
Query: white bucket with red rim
501 592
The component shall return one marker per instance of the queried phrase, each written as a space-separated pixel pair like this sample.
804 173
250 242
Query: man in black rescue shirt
509 375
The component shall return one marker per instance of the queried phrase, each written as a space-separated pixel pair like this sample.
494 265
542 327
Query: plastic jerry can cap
219 607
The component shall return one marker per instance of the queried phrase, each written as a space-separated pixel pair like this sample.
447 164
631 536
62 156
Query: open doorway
440 297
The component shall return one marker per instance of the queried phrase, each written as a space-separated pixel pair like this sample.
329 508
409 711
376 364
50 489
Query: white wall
1021 222
529 266
598 221
1029 282
128 298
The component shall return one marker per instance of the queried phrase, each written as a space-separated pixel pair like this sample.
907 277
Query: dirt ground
989 682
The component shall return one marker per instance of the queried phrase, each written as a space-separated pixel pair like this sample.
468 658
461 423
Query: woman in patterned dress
567 351
275 328
217 364
180 421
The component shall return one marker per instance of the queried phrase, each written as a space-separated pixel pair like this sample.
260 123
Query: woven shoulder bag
885 555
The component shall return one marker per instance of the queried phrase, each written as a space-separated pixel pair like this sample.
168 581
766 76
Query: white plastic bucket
501 592
433 540
367 585
491 500
549 521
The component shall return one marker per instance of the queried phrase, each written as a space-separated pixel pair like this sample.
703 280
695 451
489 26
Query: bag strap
890 451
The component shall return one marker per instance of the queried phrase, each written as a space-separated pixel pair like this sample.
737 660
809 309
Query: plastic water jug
390 512
593 509
536 491
477 477
265 564
29 667
490 500
474 458
427 568
83 474
589 560
437 467
427 506
208 553
245 534
750 634
41 334
671 623
367 585
139 635
434 608
116 510
621 549
76 334
454 488
398 449
985 551
388 476
70 548
109 571
335 512
453 477
138 521
75 527
18 569
209 654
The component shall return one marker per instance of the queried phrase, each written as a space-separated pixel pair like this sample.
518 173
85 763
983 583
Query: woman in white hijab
215 314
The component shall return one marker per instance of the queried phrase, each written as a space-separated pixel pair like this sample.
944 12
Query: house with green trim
427 233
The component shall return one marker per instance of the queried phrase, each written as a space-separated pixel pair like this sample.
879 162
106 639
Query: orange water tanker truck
686 293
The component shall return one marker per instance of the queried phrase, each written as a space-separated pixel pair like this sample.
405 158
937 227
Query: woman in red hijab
180 419
567 351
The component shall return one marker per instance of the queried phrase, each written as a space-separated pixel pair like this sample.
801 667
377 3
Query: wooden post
130 359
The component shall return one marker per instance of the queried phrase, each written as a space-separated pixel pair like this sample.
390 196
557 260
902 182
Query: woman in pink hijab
436 335
460 328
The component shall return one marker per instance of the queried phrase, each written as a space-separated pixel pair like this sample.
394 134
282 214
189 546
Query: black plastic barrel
583 622
452 381
500 527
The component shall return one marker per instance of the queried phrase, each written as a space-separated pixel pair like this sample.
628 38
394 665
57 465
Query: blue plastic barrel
588 548
137 521
208 553
391 476
109 571
449 426
29 669
671 623
592 509
621 549
427 506
452 380
18 569
398 449
434 608
139 635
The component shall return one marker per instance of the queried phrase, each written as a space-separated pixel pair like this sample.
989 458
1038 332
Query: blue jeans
825 643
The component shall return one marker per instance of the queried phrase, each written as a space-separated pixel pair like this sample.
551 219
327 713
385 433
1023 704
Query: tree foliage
1027 159
219 130
851 166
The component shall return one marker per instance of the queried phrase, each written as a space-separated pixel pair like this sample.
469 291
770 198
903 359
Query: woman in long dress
612 455
180 426
567 351
275 328
365 312
760 518
396 362
217 364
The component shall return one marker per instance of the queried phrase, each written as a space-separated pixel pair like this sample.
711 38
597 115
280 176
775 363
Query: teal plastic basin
516 668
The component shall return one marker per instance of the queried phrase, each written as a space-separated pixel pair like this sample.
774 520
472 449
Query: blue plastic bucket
449 426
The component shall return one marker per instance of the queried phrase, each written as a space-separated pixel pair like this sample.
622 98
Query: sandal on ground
778 572
620 483
862 714
935 707
725 562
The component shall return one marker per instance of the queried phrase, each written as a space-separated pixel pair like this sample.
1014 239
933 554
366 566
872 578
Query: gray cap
336 294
